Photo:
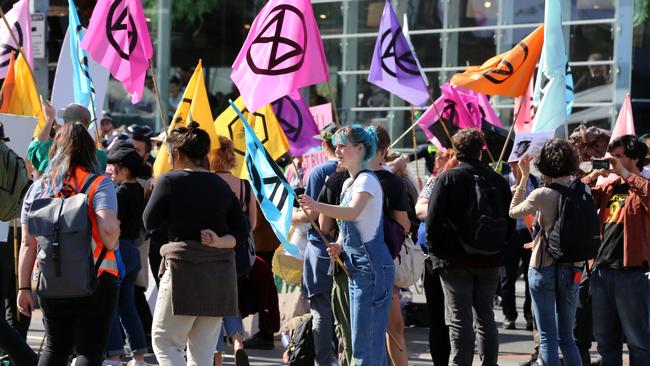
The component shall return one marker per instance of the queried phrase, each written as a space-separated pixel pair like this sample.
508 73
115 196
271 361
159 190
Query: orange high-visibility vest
71 186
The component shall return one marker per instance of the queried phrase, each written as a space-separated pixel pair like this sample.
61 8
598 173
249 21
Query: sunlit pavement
515 346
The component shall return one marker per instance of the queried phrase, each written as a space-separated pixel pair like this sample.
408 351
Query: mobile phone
600 164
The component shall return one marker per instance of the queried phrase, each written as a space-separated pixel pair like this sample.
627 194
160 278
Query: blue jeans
372 273
126 314
555 301
621 306
230 325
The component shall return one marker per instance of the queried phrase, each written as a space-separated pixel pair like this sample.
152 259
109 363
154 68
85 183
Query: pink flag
21 23
482 111
118 39
625 121
282 53
524 111
452 108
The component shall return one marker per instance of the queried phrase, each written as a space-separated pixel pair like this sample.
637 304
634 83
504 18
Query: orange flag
7 86
507 74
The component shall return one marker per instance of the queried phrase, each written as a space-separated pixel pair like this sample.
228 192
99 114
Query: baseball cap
125 156
326 133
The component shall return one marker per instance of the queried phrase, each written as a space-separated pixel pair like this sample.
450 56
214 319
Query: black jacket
452 195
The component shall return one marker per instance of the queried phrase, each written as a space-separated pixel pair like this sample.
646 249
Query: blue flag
82 83
554 86
271 189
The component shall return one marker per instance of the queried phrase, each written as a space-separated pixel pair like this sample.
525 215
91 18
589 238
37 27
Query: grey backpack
63 231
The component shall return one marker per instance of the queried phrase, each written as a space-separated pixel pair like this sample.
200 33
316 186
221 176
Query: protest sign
529 144
19 129
310 160
322 114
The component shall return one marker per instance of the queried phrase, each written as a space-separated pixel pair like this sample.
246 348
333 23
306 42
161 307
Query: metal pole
163 56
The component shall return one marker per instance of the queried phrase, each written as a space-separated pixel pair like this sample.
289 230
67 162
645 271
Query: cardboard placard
529 144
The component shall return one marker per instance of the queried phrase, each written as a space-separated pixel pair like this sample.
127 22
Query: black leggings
79 325
12 342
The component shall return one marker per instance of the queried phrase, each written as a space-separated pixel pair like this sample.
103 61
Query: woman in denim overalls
361 239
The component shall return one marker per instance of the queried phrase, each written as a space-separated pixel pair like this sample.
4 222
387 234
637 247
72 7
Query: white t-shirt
645 173
368 221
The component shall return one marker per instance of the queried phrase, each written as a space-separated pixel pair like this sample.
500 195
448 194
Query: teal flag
273 192
82 83
554 85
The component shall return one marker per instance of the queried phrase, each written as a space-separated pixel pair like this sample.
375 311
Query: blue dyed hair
357 134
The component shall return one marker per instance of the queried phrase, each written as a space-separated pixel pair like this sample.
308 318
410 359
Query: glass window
591 42
592 83
592 9
427 47
475 47
329 17
425 14
526 11
478 13
333 52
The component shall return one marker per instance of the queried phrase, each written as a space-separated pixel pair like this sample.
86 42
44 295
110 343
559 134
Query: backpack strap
244 195
89 181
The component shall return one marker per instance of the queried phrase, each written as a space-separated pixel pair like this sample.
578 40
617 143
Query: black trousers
439 345
515 257
81 325
9 291
12 342
583 329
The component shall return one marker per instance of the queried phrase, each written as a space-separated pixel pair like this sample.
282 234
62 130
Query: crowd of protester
200 232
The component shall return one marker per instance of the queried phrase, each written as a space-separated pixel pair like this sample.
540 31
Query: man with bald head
38 150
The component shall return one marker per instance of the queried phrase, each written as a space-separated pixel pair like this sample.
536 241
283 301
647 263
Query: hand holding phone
598 164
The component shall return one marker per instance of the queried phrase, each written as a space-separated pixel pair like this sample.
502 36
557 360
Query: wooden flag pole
442 121
512 129
313 224
163 120
22 53
333 101
415 151
16 252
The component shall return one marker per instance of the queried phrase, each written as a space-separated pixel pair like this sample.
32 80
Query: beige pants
171 334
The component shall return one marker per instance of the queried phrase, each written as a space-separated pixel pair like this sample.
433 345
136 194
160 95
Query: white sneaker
134 362
110 363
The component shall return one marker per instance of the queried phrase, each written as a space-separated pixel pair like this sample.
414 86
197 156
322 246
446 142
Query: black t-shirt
331 192
130 205
611 249
395 193
186 202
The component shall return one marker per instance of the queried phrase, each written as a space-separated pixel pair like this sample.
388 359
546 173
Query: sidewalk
515 346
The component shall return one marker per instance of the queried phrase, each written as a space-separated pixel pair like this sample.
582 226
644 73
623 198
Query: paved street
515 345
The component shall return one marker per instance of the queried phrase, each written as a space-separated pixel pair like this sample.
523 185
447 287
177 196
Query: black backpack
301 346
575 235
484 229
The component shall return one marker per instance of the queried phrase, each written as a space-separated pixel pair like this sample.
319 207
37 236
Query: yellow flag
193 107
24 99
266 126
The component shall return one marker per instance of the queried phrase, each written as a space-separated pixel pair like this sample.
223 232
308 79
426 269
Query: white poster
529 144
62 92
19 129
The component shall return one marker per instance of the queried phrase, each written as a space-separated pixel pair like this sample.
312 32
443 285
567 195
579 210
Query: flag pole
16 254
442 122
333 100
98 138
512 129
20 50
313 224
163 120
415 151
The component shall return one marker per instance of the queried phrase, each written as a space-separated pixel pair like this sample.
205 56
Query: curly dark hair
634 148
468 143
557 159
190 141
